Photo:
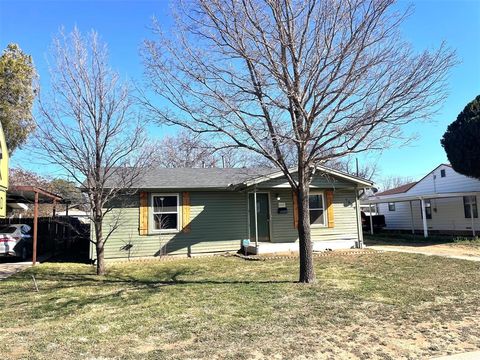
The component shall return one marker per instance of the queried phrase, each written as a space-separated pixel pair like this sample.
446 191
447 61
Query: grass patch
386 305
393 238
465 241
406 238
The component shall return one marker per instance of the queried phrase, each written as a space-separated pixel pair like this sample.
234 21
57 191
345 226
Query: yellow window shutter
295 209
143 225
186 212
330 214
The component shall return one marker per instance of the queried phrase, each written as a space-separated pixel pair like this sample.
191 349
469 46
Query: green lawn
393 238
407 238
385 305
471 242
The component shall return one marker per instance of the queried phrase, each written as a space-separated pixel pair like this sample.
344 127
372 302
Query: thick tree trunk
307 272
99 245
100 259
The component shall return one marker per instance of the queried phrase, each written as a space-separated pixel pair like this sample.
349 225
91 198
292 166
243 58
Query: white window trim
324 225
470 204
151 215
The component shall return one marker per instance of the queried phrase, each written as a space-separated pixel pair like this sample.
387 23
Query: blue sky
124 24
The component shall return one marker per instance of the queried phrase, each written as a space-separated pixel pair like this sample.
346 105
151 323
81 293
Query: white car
15 240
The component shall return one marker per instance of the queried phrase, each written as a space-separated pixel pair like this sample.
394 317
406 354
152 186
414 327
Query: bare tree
18 177
327 78
350 165
365 170
21 177
189 149
392 182
184 149
87 126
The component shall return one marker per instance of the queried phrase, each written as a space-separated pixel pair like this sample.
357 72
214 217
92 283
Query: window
7 229
428 209
317 210
391 206
469 206
165 212
443 173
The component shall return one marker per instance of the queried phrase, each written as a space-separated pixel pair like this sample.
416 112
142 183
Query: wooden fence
61 235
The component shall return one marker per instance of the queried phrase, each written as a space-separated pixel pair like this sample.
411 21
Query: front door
263 217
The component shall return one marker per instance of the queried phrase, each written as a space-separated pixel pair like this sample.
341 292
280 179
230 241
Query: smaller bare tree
88 127
366 170
184 149
392 182
189 149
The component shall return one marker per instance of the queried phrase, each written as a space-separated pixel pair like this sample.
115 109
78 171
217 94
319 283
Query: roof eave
277 174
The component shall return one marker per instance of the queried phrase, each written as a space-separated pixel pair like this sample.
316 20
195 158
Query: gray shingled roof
198 178
212 178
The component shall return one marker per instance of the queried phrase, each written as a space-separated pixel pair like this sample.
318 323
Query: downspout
371 218
35 228
471 217
256 215
424 218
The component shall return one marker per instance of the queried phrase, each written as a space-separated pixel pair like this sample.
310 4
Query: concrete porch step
285 248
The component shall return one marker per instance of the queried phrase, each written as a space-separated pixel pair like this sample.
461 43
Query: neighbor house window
165 212
443 173
317 210
391 206
470 206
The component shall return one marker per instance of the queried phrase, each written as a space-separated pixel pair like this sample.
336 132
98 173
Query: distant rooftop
397 190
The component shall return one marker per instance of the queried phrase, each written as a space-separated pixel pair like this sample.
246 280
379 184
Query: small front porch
292 247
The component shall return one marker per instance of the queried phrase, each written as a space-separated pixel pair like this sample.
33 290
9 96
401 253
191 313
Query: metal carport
410 198
36 196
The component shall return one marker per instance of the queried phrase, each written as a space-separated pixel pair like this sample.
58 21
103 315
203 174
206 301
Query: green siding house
194 211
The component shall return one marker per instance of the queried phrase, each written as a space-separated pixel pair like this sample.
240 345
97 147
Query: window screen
317 210
165 212
470 206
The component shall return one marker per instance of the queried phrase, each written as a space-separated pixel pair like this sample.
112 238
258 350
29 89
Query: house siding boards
345 226
452 182
219 222
448 217
214 227
4 162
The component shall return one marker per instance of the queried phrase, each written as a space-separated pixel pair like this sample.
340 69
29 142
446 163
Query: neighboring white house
443 201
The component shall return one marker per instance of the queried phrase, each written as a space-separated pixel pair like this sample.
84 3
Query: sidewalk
426 250
8 269
465 356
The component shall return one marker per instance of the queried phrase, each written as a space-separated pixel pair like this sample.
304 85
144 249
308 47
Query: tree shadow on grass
61 294
51 280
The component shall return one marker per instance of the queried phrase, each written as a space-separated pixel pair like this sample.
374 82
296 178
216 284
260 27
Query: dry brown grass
376 306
